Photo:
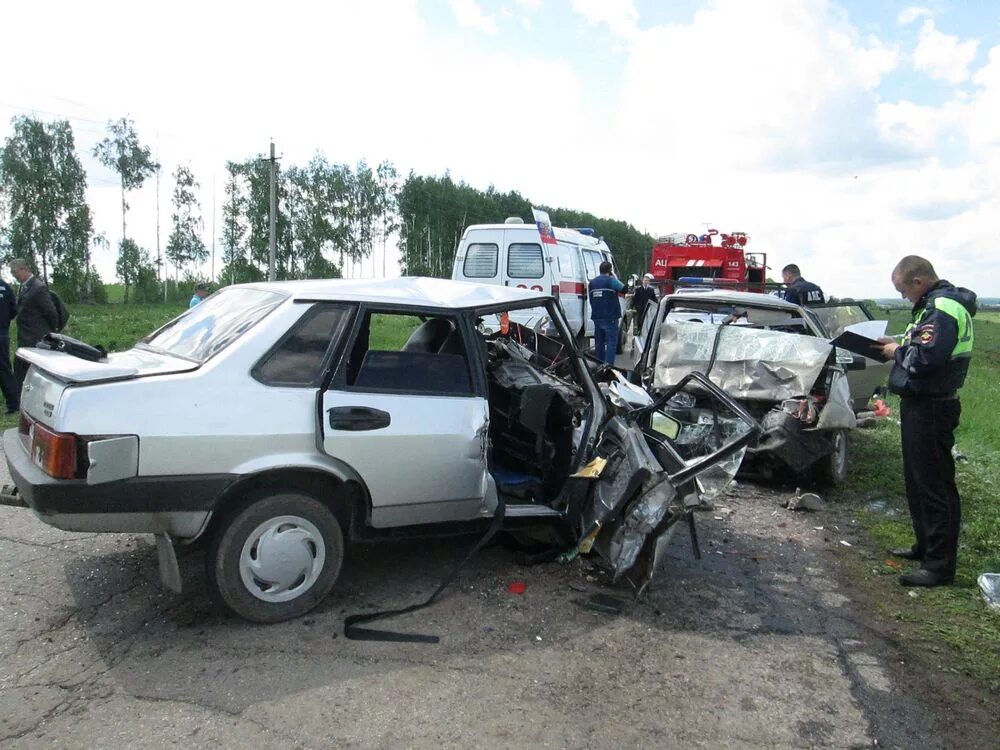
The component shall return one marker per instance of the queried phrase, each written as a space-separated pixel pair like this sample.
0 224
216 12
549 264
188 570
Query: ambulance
536 256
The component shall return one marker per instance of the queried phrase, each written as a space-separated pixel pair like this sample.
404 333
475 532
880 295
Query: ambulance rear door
478 258
592 260
523 264
569 279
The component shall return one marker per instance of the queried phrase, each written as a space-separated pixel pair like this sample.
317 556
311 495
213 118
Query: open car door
864 374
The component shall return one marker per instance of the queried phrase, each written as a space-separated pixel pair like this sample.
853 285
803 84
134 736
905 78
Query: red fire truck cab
711 259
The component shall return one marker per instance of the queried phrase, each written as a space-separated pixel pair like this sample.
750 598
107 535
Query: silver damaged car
281 421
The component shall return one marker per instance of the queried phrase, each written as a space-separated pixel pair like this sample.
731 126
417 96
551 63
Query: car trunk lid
118 366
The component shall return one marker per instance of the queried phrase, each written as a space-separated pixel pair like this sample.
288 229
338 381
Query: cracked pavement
761 643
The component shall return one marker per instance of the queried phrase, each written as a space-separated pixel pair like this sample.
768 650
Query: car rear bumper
136 495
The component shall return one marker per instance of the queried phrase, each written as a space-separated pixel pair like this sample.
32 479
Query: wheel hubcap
282 558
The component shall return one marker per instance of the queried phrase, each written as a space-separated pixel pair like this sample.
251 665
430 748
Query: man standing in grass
200 292
929 367
9 385
36 313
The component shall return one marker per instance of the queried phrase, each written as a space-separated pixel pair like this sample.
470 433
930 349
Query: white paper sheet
871 329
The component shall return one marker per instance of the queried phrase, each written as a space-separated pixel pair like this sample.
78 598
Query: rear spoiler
122 366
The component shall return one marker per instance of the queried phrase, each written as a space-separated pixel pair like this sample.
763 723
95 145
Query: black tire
294 551
831 470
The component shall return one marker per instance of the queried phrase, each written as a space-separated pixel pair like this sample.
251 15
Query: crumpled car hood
750 364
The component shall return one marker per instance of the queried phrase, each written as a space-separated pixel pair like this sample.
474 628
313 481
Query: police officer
929 367
798 290
605 311
8 384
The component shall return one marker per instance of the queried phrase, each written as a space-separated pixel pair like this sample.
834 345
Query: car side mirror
857 363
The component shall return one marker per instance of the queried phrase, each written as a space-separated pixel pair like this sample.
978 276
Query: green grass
955 616
389 332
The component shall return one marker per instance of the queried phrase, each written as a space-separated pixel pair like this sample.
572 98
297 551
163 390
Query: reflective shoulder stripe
963 347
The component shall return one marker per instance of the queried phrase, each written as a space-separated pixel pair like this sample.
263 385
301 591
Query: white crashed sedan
280 419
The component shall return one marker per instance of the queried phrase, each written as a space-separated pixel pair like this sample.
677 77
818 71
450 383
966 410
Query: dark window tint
481 260
298 357
525 261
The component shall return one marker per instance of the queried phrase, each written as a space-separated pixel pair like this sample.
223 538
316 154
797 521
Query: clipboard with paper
858 339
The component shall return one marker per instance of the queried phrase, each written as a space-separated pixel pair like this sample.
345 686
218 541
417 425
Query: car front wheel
831 470
276 558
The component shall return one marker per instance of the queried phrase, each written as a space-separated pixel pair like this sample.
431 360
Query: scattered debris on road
989 585
804 501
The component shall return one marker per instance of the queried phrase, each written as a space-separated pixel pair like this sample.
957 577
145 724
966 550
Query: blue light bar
589 231
707 280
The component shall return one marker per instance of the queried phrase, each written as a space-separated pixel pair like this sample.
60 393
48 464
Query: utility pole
212 278
272 237
160 274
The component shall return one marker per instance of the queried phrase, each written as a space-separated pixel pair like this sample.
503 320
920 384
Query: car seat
429 336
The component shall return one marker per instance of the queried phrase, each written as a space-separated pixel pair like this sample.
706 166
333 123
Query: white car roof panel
745 299
408 290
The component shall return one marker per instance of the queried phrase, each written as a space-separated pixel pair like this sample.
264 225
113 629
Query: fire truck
710 259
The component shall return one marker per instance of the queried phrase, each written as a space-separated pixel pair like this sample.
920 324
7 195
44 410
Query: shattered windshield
836 318
212 325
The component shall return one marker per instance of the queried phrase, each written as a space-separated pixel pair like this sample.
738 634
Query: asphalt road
759 644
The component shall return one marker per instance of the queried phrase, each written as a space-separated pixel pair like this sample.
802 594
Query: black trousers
10 386
928 433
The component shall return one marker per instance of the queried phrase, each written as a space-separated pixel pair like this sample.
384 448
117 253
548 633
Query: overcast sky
838 135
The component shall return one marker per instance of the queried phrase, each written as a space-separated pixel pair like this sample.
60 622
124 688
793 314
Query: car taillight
53 452
555 291
24 425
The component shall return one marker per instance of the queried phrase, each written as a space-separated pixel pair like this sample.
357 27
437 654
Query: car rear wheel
831 470
276 558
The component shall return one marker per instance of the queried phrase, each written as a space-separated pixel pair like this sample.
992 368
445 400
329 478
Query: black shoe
907 553
921 577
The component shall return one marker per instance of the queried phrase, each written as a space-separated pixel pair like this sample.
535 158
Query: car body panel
772 356
534 407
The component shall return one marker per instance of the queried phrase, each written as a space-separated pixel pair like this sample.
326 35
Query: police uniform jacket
934 356
803 292
642 296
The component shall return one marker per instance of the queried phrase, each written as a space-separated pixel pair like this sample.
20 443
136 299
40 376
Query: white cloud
469 14
911 14
529 4
749 85
983 119
620 16
942 56
761 117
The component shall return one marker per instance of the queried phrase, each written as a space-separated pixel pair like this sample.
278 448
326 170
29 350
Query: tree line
330 217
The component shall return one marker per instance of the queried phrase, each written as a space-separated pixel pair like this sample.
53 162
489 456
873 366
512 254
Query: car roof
744 299
565 234
408 290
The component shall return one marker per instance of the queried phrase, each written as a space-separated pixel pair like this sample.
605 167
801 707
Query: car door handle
357 418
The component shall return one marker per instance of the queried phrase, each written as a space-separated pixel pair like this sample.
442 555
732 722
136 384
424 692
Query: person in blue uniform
605 311
798 290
